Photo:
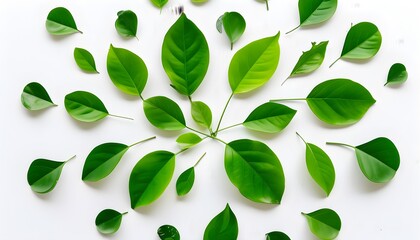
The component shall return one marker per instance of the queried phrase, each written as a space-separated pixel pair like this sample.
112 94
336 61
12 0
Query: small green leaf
150 177
397 74
85 60
127 71
108 221
43 174
185 56
234 25
269 118
277 236
159 3
164 113
35 97
253 65
168 232
223 226
185 182
188 140
362 42
324 223
126 23
61 22
201 114
255 170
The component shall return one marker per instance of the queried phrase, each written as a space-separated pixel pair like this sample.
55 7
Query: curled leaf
223 226
201 113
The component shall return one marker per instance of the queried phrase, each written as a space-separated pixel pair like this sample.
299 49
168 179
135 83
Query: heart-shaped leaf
185 181
61 22
269 118
185 56
223 226
324 223
201 114
85 60
255 170
35 97
164 113
108 221
150 177
276 236
188 140
43 174
127 71
159 3
168 232
253 65
234 25
397 74
126 23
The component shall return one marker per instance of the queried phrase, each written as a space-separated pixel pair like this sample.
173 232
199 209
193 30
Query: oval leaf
397 74
126 23
188 140
310 60
185 55
201 113
150 177
127 71
313 12
324 223
168 232
108 221
277 236
234 25
61 22
164 113
185 182
255 170
223 226
269 118
253 65
35 97
84 60
159 3
340 101
85 106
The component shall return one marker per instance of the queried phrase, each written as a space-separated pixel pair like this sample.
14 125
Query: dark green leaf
269 118
164 113
159 3
223 226
84 60
201 114
126 23
234 25
168 232
85 106
108 221
277 236
310 60
61 22
255 170
127 71
324 223
397 74
188 140
35 97
253 65
150 177
185 55
185 182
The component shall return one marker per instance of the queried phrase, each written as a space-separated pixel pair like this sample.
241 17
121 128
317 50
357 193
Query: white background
368 211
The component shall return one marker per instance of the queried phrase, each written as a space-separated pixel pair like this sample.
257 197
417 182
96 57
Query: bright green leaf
397 74
35 97
85 60
234 25
159 3
324 223
188 140
223 226
61 22
85 106
277 236
201 114
164 113
168 232
126 23
185 182
108 221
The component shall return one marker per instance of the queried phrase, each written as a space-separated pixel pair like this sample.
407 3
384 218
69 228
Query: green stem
301 138
199 160
285 80
231 46
70 159
226 128
144 140
266 4
223 113
332 64
141 97
124 213
79 31
293 30
199 132
182 150
340 144
117 116
288 99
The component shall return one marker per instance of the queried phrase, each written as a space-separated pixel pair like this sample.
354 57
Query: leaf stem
182 150
117 116
231 46
340 144
288 99
332 64
285 80
199 160
202 133
293 29
223 113
141 97
79 31
226 128
266 4
124 213
144 140
70 159
301 138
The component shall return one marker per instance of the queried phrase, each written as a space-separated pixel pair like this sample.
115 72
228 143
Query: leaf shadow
395 86
367 186
357 61
58 38
165 134
43 197
259 206
86 125
263 136
35 114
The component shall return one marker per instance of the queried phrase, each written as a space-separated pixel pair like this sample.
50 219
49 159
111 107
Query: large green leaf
201 114
255 170
253 65
150 177
185 55
35 97
85 106
397 74
126 23
234 25
61 22
164 113
108 221
277 236
168 232
127 71
269 118
324 223
85 60
223 226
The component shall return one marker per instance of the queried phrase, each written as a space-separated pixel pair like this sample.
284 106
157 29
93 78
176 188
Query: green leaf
397 74
253 65
108 221
223 226
126 23
277 236
269 118
362 42
164 113
35 97
43 174
255 170
159 3
234 25
126 70
185 56
324 223
168 232
85 60
85 106
61 22
188 140
150 177
185 182
201 114
320 167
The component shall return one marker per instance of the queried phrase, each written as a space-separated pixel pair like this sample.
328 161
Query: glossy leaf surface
201 113
164 113
397 74
126 23
168 232
108 221
310 60
85 60
324 223
61 22
276 236
185 182
223 226
35 97
188 140
313 12
85 106
43 175
234 25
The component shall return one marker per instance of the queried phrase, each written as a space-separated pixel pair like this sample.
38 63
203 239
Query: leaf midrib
83 105
125 69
